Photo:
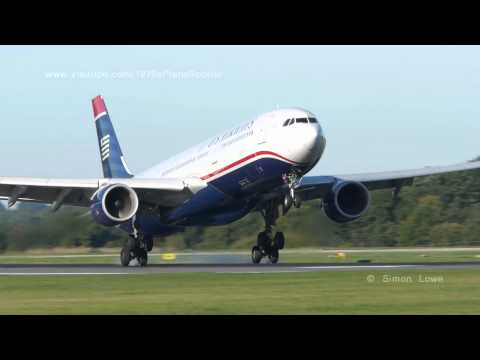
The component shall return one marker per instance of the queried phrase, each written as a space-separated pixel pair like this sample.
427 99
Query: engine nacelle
114 204
346 201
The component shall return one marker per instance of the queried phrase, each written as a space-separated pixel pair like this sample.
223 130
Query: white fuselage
265 136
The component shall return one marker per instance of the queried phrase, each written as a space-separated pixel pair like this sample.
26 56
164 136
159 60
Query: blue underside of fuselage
226 199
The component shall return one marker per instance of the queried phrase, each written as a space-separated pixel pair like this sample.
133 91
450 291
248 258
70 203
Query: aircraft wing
166 192
314 187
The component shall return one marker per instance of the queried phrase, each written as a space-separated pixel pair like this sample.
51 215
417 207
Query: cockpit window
289 122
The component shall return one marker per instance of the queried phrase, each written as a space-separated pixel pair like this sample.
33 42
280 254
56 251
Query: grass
322 292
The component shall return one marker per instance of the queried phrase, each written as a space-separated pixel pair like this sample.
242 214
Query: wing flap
47 190
315 187
167 192
389 179
43 182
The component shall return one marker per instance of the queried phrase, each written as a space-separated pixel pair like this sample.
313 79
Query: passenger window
302 120
313 120
286 122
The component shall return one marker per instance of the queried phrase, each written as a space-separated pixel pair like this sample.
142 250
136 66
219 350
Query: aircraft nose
311 144
311 137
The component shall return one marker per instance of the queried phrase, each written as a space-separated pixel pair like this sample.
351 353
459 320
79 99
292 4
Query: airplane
258 166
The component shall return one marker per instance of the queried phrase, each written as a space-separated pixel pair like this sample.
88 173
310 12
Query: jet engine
346 201
114 204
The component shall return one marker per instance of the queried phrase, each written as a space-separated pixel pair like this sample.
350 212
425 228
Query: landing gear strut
268 245
137 247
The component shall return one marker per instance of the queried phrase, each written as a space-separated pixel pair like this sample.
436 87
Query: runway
111 269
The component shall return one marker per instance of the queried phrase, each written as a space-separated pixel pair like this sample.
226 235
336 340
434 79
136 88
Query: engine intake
115 204
346 201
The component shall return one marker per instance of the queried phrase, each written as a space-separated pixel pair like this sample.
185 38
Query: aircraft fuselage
239 165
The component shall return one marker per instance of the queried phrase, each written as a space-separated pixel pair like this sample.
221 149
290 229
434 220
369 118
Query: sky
381 107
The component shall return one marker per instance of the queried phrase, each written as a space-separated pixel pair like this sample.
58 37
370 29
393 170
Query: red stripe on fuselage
246 158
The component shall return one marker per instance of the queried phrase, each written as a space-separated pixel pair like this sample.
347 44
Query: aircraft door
262 136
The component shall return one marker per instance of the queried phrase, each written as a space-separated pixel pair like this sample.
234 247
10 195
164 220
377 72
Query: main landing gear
137 247
268 245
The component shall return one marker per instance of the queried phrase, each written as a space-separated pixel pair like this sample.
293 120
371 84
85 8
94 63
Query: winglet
99 108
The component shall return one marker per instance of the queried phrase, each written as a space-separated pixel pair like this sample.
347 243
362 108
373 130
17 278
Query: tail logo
105 147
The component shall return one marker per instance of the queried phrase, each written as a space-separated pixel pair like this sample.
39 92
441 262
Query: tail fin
113 164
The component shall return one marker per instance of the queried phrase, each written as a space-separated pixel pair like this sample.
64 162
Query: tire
131 243
125 256
286 204
263 240
148 243
256 255
279 240
142 257
297 202
273 256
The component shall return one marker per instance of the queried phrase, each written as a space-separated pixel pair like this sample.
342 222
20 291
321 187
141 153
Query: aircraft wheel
297 202
273 256
263 240
287 204
131 243
148 243
142 257
279 240
125 256
256 255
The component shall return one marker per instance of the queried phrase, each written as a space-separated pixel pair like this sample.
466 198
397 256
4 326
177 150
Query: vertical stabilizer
113 163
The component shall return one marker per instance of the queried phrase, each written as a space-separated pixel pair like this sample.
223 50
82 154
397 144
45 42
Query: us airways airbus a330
260 165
